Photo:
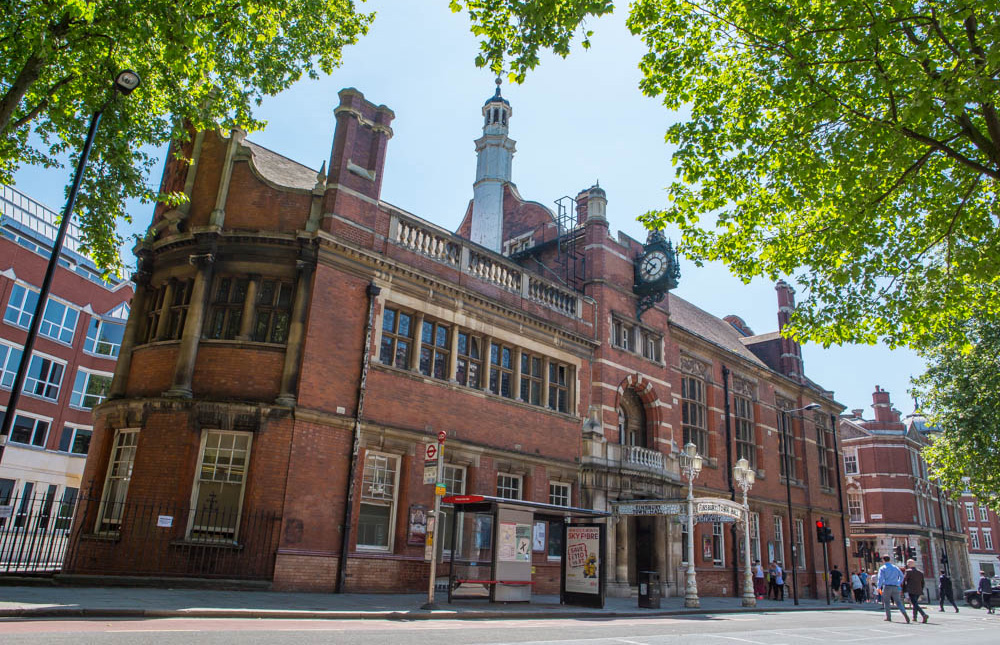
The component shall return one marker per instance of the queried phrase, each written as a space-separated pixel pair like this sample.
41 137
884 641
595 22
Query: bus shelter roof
487 503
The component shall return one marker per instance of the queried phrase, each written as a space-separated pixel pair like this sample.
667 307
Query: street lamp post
744 477
690 462
123 84
788 491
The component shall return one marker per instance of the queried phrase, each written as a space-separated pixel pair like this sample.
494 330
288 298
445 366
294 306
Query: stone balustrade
643 458
479 263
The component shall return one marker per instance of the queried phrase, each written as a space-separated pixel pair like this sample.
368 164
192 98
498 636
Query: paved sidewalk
106 602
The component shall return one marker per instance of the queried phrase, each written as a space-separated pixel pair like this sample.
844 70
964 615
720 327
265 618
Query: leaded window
434 350
558 387
531 378
397 336
470 360
501 369
273 311
227 307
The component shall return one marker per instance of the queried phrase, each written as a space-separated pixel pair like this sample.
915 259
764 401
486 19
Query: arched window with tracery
632 420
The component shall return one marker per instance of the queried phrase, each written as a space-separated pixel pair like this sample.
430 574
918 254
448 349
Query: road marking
743 640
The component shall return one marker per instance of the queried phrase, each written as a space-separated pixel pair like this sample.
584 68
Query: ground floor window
508 486
779 541
755 536
718 545
219 484
118 477
377 514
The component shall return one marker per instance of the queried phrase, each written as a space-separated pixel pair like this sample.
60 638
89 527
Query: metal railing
88 535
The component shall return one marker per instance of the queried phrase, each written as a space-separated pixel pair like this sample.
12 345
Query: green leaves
205 61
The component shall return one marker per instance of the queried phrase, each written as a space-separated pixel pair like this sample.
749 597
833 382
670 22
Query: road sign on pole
430 451
432 530
442 435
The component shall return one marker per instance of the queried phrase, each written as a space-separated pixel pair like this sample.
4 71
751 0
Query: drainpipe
345 543
734 538
840 492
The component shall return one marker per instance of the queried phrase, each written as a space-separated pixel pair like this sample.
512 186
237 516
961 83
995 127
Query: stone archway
635 385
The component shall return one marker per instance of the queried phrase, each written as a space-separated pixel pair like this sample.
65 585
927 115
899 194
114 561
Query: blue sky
576 121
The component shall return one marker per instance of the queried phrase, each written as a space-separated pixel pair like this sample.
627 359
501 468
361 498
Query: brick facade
549 411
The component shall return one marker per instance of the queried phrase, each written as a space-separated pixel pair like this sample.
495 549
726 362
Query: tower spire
495 152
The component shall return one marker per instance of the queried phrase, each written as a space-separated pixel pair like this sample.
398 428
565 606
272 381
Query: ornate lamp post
744 477
690 462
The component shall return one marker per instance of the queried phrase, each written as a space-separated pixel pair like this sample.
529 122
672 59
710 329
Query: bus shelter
492 542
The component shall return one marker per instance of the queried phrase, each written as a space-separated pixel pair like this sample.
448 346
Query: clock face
653 266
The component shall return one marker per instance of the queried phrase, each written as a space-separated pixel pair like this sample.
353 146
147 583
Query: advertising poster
538 543
706 548
416 524
507 547
583 566
523 546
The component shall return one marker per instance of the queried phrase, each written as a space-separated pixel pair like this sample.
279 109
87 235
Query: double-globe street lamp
124 83
690 462
788 452
744 477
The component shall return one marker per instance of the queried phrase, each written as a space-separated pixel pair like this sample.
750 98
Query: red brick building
292 334
983 528
893 508
71 366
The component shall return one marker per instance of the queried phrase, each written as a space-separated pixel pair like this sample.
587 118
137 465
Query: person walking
865 587
986 591
858 587
945 591
772 585
835 577
758 580
889 579
913 584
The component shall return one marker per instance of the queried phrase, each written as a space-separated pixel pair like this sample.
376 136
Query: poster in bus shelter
583 559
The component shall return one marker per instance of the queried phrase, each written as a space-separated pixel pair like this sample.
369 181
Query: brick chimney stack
791 353
591 203
884 412
354 183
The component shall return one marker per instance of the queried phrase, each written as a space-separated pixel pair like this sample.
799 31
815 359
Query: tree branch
916 165
951 152
44 103
30 71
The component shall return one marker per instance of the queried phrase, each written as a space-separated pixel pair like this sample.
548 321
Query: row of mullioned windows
632 338
59 322
492 368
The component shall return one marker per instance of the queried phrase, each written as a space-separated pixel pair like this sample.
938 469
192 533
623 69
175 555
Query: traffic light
899 553
823 532
911 553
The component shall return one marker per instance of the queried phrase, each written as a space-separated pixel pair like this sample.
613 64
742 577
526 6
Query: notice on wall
583 566
165 521
416 524
507 543
538 541
523 547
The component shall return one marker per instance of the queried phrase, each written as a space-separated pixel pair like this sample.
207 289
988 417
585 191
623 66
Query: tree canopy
961 386
208 62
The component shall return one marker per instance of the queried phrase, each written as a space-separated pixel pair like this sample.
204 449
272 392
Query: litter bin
649 589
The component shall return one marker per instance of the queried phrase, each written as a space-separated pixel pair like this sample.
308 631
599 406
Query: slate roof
281 170
715 330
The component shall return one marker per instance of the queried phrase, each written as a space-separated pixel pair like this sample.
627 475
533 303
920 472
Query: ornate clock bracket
648 301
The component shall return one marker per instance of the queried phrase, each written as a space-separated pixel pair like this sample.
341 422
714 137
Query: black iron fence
89 535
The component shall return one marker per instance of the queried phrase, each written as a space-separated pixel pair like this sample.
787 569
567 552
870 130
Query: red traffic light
820 524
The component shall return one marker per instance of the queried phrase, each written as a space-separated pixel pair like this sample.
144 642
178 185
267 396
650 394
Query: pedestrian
875 591
758 580
835 577
913 583
945 591
865 587
772 584
779 583
858 587
889 579
986 591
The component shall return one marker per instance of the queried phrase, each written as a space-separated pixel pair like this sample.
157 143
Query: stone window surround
459 321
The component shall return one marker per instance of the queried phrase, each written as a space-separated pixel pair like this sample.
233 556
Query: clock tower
656 271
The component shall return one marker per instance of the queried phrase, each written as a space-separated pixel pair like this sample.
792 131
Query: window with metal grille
558 387
273 311
434 350
470 360
501 370
559 493
378 501
508 486
397 334
226 313
693 413
746 440
531 378
219 485
109 517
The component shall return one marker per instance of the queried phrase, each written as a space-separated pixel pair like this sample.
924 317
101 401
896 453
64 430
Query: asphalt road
966 628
